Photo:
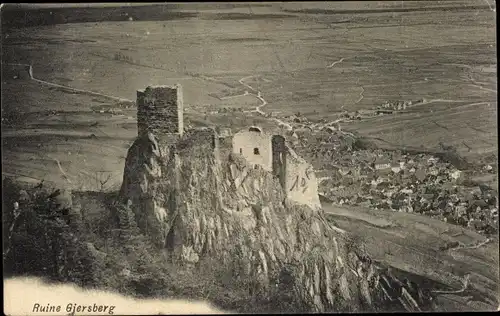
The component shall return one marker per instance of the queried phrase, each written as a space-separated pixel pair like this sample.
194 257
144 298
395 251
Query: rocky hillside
193 203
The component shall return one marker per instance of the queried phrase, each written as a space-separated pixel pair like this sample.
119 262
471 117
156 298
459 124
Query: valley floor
295 75
429 249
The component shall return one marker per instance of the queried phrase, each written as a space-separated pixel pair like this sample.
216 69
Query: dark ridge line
183 6
24 17
388 10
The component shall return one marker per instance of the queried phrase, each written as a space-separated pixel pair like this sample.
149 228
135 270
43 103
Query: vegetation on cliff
199 205
188 225
107 251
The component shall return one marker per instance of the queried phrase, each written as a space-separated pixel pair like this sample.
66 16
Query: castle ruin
296 176
160 112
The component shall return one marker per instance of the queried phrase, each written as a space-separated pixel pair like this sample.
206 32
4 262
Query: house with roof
396 167
382 164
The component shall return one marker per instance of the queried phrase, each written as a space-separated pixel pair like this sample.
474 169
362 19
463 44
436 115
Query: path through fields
52 84
257 94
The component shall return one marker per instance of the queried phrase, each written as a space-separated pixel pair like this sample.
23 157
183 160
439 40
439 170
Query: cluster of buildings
301 123
408 183
397 105
376 178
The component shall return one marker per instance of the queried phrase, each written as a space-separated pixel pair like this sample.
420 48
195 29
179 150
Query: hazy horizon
312 4
78 5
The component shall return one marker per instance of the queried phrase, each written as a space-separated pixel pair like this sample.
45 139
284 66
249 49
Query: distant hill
28 16
389 9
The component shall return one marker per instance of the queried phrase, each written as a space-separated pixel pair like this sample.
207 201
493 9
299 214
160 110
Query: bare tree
102 178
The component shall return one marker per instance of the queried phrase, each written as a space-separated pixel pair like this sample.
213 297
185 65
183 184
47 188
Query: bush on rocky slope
202 207
107 251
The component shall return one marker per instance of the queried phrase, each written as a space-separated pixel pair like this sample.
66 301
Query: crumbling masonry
188 202
296 176
160 112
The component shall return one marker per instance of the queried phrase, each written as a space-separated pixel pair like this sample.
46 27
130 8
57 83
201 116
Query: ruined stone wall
245 142
185 200
301 183
197 208
160 111
279 159
199 139
296 176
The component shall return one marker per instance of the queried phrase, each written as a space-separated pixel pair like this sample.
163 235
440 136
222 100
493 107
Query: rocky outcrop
187 199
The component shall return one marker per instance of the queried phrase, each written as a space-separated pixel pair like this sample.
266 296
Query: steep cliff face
197 205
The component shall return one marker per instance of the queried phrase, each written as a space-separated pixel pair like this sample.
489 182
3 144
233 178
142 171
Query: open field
315 64
470 127
57 137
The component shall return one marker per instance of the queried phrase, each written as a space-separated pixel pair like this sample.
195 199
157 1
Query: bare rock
199 207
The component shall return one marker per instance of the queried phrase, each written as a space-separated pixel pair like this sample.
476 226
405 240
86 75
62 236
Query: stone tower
160 110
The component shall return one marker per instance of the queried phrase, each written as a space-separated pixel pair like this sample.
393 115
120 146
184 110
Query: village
356 174
402 182
349 174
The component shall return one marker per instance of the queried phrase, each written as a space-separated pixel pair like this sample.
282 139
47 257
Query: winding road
257 94
336 62
52 84
250 90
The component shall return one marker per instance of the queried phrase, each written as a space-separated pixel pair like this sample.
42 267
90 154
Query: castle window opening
241 151
256 151
255 129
